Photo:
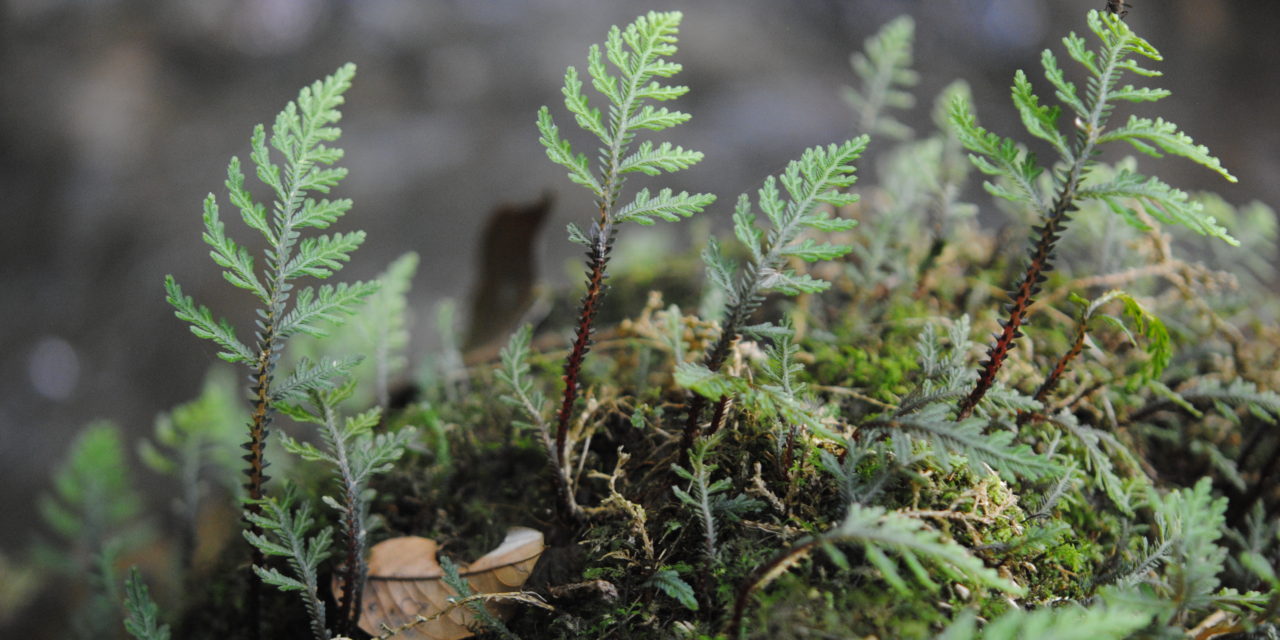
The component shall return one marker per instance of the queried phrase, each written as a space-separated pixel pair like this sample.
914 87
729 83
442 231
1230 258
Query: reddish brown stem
259 429
601 237
1055 375
1039 263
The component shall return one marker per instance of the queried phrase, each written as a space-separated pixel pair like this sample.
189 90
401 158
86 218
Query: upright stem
602 236
1055 221
1040 262
258 432
1059 368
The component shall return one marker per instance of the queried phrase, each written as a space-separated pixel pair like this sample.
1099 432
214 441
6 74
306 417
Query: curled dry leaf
405 584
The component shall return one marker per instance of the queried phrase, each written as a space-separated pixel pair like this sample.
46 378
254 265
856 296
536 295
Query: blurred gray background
118 116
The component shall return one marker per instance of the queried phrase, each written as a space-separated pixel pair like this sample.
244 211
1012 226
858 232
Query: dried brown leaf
405 585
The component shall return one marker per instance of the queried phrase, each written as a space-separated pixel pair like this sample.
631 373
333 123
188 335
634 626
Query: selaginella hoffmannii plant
299 136
637 53
994 155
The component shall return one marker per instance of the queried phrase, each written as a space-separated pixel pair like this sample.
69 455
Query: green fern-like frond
379 331
670 583
946 436
199 434
204 326
487 619
1064 623
1263 404
514 373
1159 347
884 69
815 179
93 499
637 55
287 534
354 453
311 376
876 531
1097 460
300 139
300 136
1091 109
1191 520
996 155
317 308
702 492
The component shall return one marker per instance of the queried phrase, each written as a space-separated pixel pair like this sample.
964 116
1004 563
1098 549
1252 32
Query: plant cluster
814 452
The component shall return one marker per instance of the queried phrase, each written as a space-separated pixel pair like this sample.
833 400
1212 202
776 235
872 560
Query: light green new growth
93 499
96 513
636 54
141 613
1158 345
883 66
287 534
1090 113
199 434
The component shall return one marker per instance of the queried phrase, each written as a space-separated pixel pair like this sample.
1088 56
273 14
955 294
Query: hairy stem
602 237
